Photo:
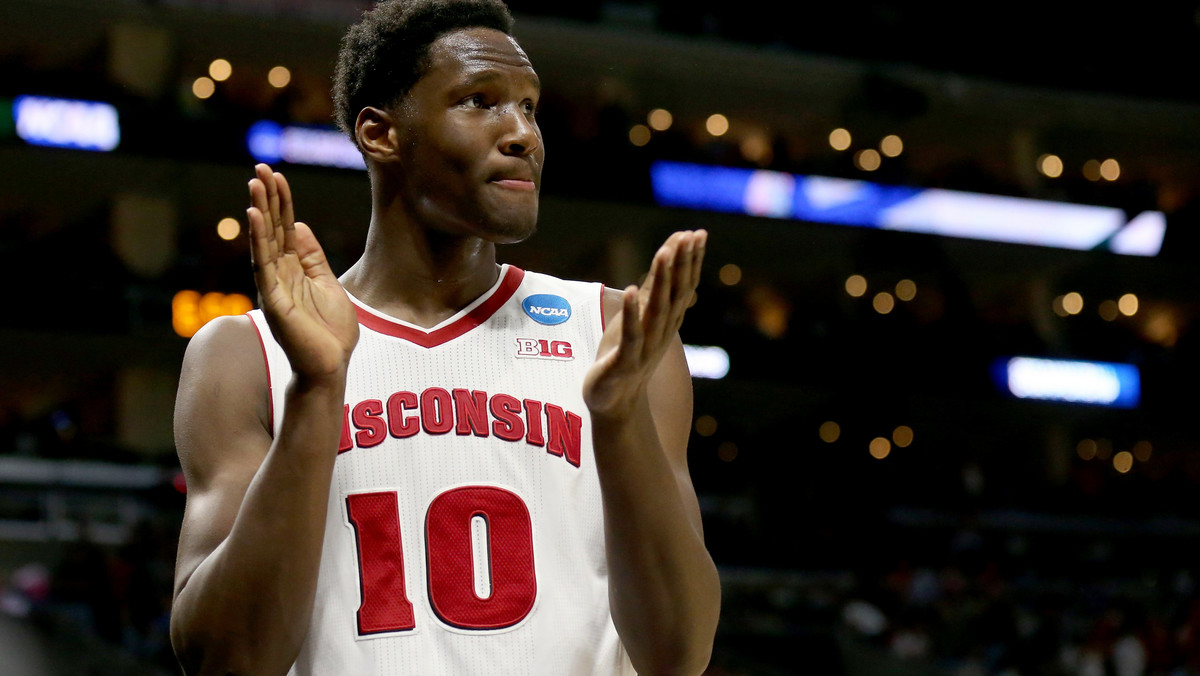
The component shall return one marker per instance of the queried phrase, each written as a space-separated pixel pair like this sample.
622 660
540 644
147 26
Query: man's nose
520 136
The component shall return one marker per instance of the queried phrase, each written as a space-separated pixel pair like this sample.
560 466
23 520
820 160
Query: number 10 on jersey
478 560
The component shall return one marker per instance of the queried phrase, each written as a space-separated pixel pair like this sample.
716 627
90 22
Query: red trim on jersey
481 313
604 316
602 289
267 364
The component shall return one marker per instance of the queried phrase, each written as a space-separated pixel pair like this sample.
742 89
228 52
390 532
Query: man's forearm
245 609
664 589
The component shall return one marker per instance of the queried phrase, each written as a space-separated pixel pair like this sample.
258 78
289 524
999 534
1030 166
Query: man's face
470 149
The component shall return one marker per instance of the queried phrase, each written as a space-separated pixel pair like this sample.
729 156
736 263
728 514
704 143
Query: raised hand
636 339
309 312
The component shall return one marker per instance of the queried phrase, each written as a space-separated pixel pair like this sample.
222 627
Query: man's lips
514 183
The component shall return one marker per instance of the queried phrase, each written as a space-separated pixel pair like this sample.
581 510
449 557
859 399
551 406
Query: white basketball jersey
465 531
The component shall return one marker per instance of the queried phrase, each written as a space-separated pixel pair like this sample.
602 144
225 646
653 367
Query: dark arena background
945 348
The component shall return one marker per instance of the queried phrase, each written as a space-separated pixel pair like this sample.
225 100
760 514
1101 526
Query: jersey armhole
603 288
262 344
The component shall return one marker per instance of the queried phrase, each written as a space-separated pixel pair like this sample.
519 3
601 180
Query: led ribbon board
66 123
321 146
1079 382
840 201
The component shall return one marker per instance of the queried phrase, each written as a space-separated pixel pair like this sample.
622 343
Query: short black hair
387 51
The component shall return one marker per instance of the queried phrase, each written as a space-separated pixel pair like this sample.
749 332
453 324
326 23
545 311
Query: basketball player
438 464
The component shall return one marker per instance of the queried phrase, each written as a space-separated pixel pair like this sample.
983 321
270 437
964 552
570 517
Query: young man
446 466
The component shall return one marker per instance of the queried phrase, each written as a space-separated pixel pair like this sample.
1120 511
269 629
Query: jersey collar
478 312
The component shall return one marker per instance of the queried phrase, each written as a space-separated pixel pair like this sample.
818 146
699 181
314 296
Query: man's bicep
670 394
221 434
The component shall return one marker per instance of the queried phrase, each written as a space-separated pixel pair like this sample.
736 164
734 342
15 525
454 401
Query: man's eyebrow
486 75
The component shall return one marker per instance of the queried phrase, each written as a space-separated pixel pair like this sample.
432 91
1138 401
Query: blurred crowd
101 610
980 619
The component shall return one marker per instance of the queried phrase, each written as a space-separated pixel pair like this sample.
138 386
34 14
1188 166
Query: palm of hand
634 342
309 312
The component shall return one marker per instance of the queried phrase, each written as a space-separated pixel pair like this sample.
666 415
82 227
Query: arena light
706 361
66 123
279 77
952 213
1050 165
730 274
867 159
891 145
829 431
716 124
1110 170
839 139
319 146
228 228
660 119
1072 381
220 70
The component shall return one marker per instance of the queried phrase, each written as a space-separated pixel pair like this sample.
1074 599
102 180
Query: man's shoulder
575 291
223 369
225 335
228 349
533 278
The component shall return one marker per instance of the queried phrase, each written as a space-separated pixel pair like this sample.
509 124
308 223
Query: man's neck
419 275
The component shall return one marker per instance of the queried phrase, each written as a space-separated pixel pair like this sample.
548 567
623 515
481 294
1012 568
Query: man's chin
512 225
511 233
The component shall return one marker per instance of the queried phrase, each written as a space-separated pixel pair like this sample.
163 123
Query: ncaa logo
547 308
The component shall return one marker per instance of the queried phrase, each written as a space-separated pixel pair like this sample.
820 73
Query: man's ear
377 135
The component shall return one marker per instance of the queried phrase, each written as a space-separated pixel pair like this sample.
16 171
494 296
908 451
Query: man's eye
477 101
529 108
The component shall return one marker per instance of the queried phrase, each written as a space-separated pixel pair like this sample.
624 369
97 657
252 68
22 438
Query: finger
268 179
632 335
259 202
700 240
287 215
262 257
681 272
671 253
649 283
657 310
682 287
698 259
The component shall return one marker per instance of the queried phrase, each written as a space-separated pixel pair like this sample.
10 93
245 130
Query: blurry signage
840 201
1079 382
321 146
190 309
65 123
706 361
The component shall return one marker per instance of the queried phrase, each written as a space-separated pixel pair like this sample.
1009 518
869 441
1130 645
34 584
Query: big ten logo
540 348
190 309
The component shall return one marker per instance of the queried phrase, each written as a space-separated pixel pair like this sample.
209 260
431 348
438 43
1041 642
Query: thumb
311 255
